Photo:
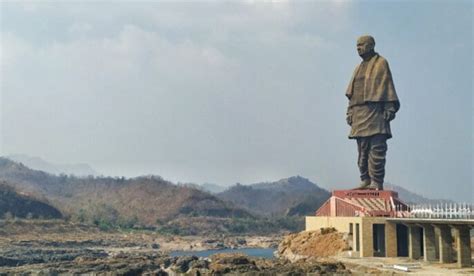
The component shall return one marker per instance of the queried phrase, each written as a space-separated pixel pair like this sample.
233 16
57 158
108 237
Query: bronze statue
373 103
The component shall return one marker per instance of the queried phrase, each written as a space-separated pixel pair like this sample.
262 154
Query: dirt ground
319 243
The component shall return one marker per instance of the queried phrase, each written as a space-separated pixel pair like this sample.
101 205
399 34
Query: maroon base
363 193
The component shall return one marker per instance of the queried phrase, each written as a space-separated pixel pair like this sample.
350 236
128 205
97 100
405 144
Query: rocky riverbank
60 234
99 262
122 257
54 247
51 247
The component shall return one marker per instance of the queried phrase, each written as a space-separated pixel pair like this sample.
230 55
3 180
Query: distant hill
151 201
206 187
212 188
145 200
413 198
42 165
286 197
14 204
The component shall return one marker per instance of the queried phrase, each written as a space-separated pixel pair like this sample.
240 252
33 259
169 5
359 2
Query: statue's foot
375 186
364 184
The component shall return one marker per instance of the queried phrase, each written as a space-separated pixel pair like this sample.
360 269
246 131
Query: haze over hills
212 188
38 163
414 198
290 196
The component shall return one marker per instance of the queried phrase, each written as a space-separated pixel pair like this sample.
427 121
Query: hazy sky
227 92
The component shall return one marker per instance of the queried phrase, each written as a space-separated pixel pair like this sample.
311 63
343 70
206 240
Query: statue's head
365 44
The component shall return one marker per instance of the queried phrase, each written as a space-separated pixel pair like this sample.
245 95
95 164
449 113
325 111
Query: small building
381 225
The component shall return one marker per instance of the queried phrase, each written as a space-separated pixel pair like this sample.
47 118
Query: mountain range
152 201
142 199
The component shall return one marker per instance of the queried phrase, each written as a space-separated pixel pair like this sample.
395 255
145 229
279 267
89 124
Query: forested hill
152 201
290 196
143 199
15 204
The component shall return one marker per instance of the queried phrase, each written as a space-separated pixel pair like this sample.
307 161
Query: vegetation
118 202
294 196
231 226
153 203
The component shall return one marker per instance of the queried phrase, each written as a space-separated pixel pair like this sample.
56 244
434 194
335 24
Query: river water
253 252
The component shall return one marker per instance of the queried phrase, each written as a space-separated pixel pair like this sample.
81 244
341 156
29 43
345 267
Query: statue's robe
371 91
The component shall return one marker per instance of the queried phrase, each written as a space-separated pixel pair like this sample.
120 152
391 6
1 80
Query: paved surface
375 263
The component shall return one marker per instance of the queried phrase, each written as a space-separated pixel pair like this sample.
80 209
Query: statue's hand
388 115
349 119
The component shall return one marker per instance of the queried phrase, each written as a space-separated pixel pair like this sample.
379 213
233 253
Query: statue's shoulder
381 59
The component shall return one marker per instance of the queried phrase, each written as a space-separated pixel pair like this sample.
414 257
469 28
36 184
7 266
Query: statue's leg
362 162
377 153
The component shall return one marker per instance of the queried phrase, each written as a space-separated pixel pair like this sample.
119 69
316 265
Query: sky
236 91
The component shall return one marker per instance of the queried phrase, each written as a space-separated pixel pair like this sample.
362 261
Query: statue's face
364 46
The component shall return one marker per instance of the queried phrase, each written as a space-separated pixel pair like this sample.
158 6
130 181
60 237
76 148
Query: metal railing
401 211
441 211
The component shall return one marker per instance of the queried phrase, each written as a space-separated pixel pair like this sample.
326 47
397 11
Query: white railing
401 211
442 211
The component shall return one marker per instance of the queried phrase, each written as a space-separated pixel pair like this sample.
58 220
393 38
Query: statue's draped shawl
378 85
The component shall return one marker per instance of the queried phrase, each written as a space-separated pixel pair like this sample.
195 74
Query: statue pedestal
359 203
362 193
